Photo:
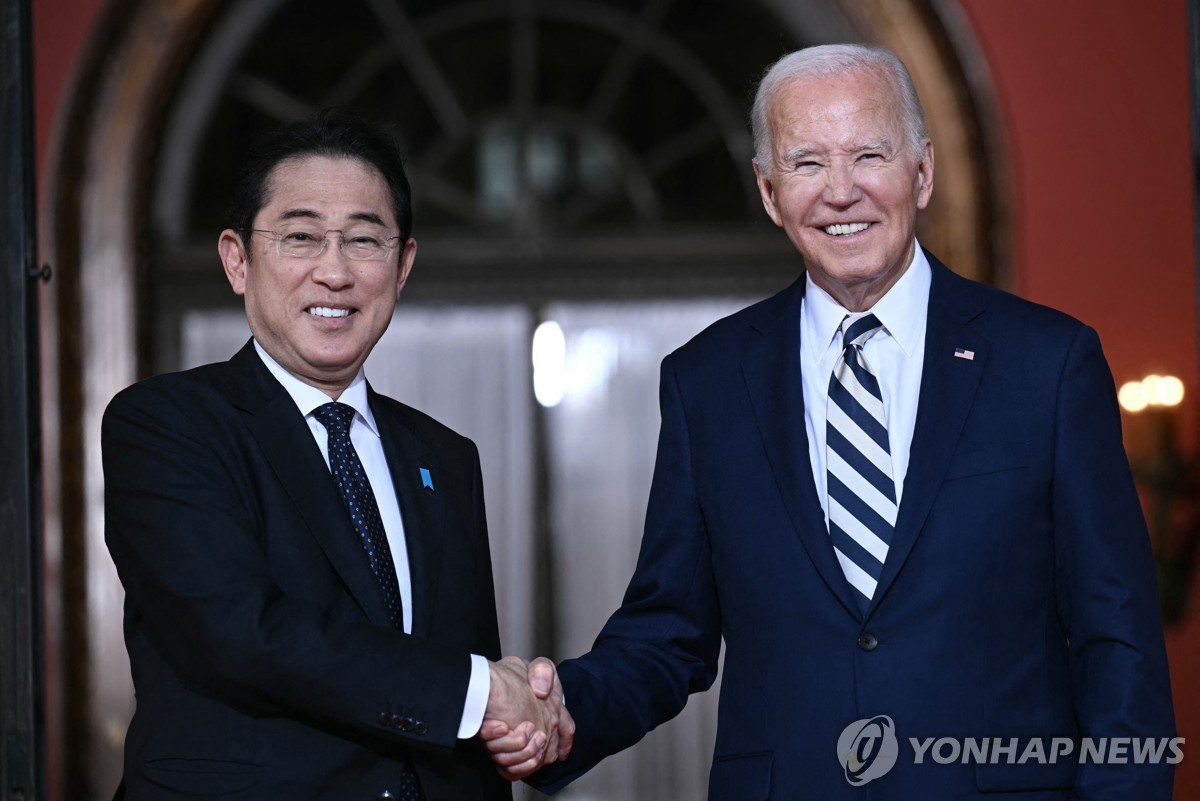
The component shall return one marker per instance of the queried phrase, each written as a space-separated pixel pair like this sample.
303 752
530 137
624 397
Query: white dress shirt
896 356
365 437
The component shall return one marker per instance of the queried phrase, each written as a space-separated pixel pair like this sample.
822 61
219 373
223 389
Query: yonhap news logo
868 749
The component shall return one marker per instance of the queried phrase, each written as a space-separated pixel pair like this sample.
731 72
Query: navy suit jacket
1017 600
263 659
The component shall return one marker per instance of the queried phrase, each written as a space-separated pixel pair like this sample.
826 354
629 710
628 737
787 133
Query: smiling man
309 606
898 496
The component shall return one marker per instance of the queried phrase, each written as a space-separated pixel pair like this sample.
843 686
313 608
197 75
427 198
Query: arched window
566 149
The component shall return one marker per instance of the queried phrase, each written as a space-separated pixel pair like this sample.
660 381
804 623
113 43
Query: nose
332 267
841 188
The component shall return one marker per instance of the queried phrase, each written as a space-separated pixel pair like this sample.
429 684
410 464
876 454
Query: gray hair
827 61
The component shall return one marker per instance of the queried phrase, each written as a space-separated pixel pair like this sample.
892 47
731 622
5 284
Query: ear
766 189
407 257
925 176
235 259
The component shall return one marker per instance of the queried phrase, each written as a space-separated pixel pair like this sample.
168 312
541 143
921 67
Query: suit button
385 719
420 728
867 641
397 722
408 724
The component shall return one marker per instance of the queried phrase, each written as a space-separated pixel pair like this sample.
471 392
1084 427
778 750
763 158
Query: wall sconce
1168 483
1152 391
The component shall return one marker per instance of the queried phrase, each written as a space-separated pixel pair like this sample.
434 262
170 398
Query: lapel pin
962 353
426 478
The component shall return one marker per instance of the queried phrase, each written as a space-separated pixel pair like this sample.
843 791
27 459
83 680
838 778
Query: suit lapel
948 384
771 369
287 443
421 507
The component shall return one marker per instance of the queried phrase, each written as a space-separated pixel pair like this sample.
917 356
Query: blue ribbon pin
426 479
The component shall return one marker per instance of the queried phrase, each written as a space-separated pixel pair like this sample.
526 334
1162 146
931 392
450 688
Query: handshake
526 724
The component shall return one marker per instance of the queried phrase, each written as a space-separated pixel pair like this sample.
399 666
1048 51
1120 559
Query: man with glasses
309 603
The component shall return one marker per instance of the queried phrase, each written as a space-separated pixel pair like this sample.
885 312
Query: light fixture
1167 480
549 363
1151 391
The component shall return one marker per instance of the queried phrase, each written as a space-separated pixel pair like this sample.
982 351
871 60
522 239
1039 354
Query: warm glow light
1169 391
1153 390
549 363
1151 383
1132 396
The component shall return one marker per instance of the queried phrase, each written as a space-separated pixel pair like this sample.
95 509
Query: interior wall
60 33
1095 99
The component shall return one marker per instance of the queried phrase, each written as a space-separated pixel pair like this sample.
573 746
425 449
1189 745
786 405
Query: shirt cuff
478 689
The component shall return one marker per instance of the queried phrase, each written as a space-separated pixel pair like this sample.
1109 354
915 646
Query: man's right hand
526 725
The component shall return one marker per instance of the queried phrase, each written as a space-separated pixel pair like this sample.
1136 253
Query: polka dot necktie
861 493
364 514
360 502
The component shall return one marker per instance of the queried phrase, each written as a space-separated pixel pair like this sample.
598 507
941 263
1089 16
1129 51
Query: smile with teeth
845 230
326 311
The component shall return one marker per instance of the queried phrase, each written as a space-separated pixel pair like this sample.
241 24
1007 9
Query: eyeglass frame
278 237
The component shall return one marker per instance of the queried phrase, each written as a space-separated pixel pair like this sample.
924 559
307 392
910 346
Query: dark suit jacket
262 657
1017 599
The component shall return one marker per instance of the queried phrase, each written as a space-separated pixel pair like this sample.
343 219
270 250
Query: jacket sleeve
1106 583
664 641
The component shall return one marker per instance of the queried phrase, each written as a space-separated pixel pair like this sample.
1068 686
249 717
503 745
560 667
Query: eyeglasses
305 243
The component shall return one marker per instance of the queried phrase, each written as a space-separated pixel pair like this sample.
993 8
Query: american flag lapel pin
426 479
963 353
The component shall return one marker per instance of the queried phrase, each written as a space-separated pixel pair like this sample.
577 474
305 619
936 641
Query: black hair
335 133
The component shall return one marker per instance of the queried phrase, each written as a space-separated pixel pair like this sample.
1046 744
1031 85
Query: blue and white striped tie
861 493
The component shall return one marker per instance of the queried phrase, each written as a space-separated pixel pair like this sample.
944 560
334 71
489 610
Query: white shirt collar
901 311
308 397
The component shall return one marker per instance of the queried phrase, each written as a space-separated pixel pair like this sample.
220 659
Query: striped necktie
861 493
